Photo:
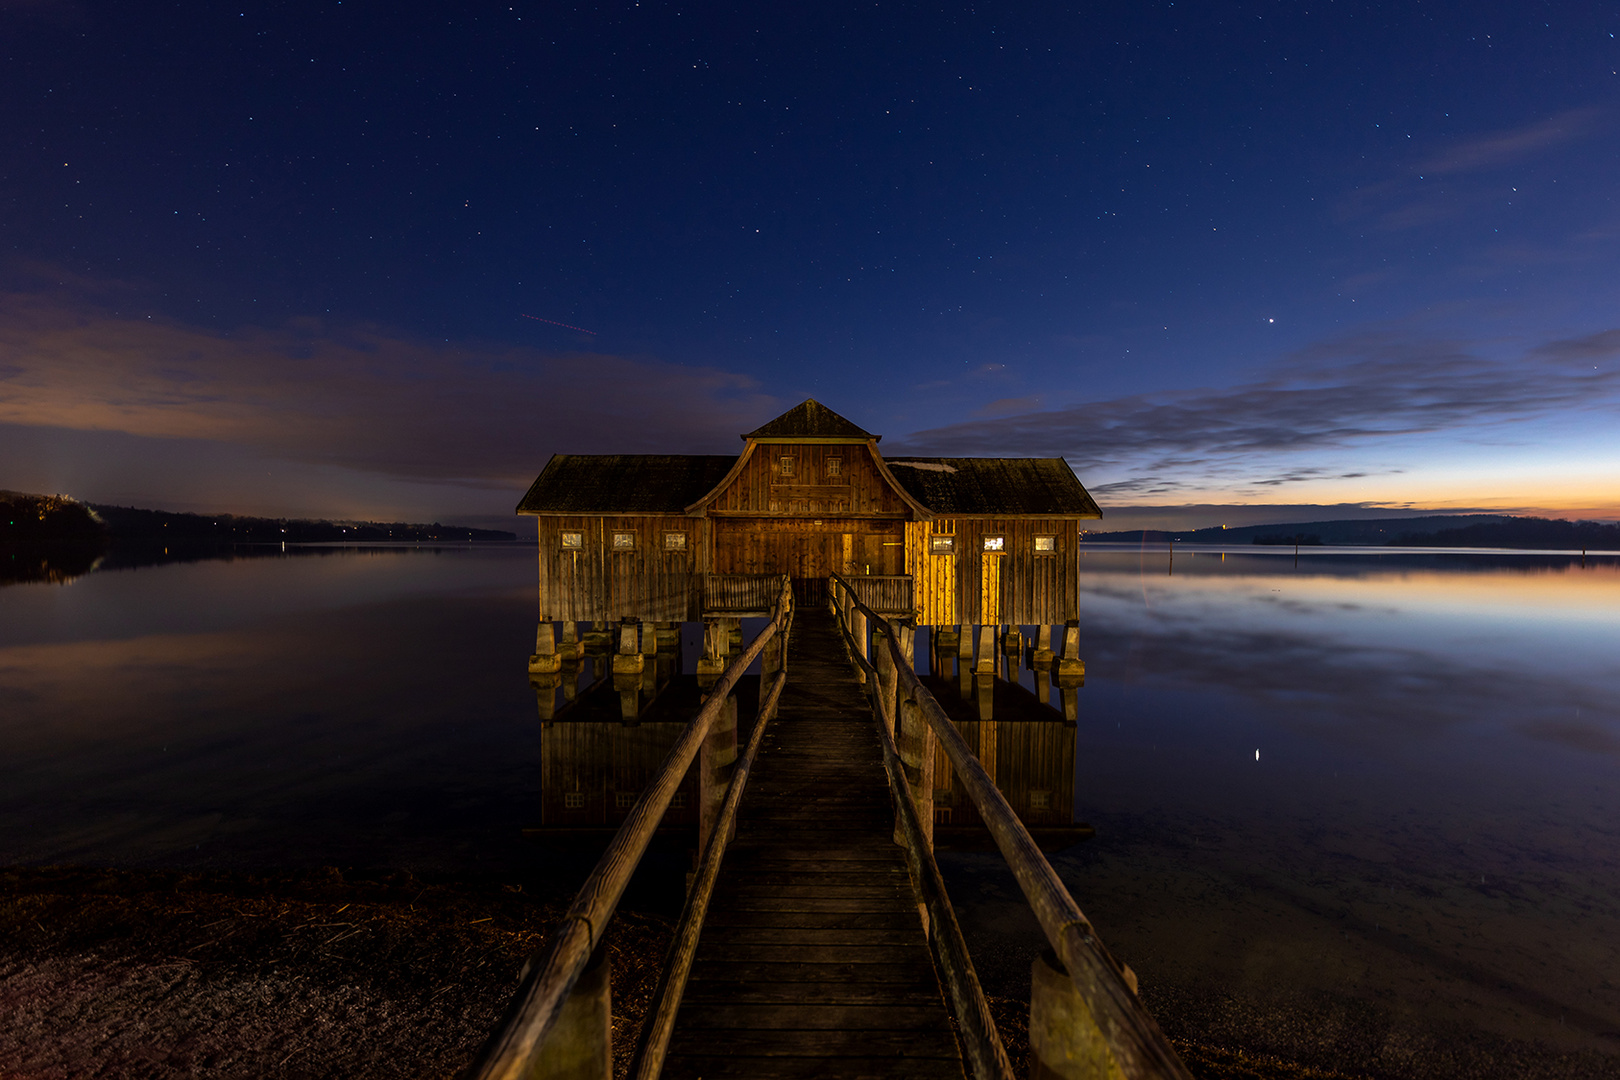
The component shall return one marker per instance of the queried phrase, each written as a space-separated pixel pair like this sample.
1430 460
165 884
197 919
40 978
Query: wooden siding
1033 588
597 583
763 488
808 548
884 595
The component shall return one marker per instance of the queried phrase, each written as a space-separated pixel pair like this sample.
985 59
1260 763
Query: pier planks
812 962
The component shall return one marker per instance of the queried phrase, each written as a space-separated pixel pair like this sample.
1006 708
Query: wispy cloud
357 396
1451 180
1356 392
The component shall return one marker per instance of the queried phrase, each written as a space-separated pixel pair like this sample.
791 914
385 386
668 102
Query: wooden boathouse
938 541
817 937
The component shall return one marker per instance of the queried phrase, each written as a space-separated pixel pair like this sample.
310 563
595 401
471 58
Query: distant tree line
1522 532
128 523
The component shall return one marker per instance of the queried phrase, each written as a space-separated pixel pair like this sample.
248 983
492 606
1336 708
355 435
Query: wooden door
990 589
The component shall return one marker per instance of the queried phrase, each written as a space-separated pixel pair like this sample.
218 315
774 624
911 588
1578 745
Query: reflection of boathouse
676 538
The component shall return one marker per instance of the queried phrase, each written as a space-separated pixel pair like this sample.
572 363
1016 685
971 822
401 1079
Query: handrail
1133 1037
656 1032
509 1053
985 1052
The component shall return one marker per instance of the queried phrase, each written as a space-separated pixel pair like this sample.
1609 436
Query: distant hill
1364 531
47 537
131 524
1440 530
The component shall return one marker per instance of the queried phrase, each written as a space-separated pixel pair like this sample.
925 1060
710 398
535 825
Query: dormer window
835 466
787 466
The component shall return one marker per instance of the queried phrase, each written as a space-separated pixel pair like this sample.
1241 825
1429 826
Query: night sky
381 260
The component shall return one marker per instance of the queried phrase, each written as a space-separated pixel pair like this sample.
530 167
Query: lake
1358 809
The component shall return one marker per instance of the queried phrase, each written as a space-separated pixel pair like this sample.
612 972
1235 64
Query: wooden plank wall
807 548
1034 588
764 487
598 583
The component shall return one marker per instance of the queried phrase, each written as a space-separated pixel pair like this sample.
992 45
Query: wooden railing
885 595
1085 1017
560 1021
737 594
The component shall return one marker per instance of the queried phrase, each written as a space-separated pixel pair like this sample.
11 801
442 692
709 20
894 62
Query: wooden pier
813 962
818 938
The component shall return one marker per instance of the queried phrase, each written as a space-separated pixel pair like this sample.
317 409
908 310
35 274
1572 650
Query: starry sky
1235 261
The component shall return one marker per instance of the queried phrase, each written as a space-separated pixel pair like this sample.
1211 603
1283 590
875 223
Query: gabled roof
1011 486
811 421
624 483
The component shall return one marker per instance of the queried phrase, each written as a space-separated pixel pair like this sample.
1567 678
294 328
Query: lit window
995 543
787 466
624 541
674 541
835 466
943 545
573 541
574 800
1046 543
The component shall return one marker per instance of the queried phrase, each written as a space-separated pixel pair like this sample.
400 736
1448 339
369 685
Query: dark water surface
1368 805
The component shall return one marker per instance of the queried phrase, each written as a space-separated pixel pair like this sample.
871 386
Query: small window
1040 800
787 466
942 545
624 800
573 541
674 541
835 466
995 543
678 801
624 541
574 800
1046 543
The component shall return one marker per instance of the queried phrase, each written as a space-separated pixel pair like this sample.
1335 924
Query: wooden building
677 538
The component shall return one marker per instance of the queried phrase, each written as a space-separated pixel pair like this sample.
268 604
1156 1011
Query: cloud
356 396
1443 185
1511 146
1363 390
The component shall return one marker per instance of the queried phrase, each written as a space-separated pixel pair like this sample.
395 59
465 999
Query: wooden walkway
812 962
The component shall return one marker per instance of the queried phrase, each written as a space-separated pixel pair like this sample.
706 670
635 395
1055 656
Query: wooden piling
580 1045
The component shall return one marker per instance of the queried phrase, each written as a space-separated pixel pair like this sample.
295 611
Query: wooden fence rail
886 595
539 1035
1085 1017
740 593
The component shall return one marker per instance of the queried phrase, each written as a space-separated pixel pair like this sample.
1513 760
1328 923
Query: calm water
1370 793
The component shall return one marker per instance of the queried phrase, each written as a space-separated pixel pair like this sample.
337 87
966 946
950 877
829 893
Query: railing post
914 740
771 661
580 1044
1065 1042
858 632
887 681
716 762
